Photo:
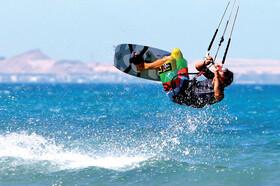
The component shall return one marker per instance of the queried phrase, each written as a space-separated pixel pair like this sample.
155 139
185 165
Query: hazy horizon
3 57
37 66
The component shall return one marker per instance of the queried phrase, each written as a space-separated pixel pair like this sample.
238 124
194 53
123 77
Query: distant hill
35 66
29 62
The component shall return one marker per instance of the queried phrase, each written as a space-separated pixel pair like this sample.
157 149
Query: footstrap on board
143 51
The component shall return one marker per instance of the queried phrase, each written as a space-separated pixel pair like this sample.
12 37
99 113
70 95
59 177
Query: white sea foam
36 148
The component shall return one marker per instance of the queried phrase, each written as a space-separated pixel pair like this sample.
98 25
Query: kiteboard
123 53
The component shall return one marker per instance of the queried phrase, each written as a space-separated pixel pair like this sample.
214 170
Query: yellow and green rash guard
174 67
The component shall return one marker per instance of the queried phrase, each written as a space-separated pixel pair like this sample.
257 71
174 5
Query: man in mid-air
173 72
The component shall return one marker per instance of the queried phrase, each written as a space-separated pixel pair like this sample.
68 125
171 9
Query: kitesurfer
180 88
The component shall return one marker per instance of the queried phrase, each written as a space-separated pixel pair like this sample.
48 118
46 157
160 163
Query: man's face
222 75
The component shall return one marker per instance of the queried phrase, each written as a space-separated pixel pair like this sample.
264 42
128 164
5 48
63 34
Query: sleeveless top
175 80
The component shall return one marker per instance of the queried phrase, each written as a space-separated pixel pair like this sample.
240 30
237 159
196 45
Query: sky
88 30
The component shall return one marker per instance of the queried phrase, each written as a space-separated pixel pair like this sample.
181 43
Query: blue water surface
131 134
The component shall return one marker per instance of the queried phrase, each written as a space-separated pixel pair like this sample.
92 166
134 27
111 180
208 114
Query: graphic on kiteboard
123 54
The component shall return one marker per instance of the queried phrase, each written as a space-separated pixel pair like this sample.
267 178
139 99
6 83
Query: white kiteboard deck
123 54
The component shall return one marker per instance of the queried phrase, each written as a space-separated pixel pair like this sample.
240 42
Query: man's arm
202 64
218 89
154 65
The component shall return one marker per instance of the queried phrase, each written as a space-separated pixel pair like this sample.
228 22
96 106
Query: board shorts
184 81
196 94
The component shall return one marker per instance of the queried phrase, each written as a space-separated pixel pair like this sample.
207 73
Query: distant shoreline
36 67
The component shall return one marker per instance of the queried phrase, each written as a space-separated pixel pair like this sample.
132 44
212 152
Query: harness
175 81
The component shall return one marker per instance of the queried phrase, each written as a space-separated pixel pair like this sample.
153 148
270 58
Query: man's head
227 76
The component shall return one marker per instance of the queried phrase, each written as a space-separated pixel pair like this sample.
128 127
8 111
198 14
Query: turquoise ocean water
130 134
